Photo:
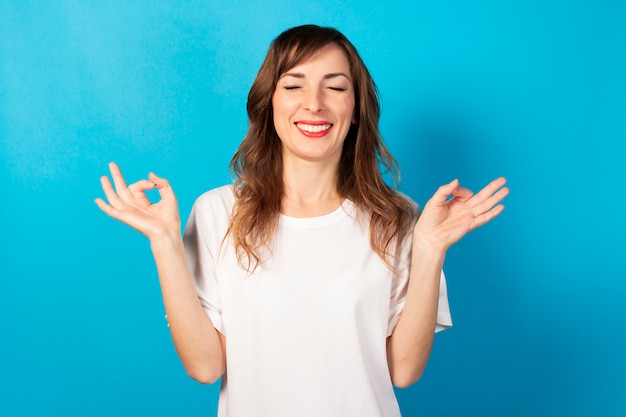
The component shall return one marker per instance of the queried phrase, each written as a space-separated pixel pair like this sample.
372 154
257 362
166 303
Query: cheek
280 116
351 111
277 112
281 107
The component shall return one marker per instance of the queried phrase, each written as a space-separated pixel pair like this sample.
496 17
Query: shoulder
220 197
214 206
412 203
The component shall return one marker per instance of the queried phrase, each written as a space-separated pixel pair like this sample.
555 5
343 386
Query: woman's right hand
130 205
200 346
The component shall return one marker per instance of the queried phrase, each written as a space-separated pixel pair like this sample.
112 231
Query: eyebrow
326 77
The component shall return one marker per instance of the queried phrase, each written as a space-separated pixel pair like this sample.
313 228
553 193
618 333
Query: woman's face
314 107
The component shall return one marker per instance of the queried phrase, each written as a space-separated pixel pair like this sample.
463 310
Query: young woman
309 285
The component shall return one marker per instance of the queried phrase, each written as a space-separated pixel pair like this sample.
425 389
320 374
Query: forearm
409 346
197 341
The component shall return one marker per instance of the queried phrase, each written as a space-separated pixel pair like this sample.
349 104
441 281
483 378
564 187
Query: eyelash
295 87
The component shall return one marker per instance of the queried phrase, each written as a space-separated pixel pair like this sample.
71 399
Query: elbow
406 368
202 366
204 378
404 378
405 382
205 375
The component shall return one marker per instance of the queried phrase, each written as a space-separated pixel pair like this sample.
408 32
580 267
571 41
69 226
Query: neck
309 189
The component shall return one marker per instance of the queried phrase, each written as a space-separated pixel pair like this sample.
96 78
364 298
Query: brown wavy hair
257 164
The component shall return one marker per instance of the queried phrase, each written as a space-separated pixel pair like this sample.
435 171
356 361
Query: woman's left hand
444 221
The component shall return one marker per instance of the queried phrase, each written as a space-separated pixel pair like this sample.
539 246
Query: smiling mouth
315 129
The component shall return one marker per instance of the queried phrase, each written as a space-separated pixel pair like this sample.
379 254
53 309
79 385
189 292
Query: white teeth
313 128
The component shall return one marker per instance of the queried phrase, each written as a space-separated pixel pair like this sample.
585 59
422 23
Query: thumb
441 195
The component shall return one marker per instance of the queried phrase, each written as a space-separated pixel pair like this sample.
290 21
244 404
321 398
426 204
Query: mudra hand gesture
444 221
130 205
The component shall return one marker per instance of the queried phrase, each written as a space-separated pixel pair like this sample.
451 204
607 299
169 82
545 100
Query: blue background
532 90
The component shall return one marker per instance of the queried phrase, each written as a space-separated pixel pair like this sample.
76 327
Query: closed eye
338 88
291 87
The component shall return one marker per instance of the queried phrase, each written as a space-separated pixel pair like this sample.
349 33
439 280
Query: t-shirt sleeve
201 255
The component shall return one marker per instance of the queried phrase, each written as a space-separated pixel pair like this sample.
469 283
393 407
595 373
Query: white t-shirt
306 332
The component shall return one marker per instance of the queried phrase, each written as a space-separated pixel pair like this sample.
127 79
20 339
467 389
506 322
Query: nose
314 101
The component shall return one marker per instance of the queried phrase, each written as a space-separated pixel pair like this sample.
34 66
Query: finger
491 202
118 180
163 185
109 192
102 205
462 194
139 188
111 211
488 190
442 193
488 216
